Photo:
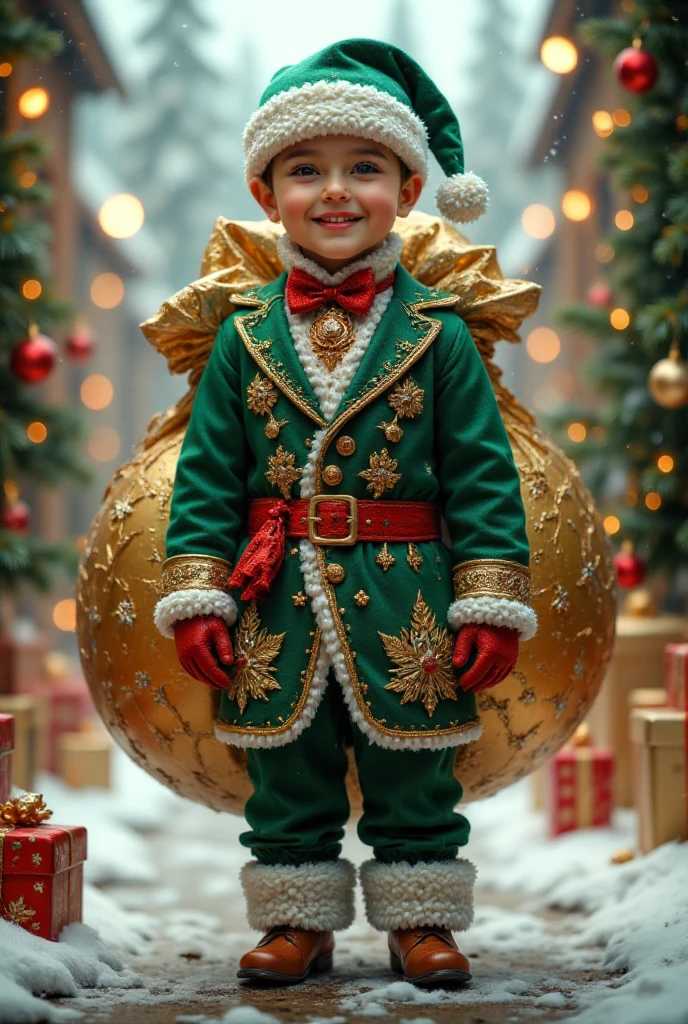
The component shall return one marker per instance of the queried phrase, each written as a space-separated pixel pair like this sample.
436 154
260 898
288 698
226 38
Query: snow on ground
630 920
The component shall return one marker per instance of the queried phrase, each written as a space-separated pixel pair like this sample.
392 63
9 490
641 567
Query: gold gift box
658 742
84 758
29 730
637 662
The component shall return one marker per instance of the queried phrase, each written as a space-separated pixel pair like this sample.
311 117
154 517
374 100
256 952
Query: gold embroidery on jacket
424 660
406 401
381 475
282 472
254 649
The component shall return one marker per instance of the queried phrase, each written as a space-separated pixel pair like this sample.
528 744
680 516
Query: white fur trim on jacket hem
186 604
495 611
333 108
421 895
318 895
462 197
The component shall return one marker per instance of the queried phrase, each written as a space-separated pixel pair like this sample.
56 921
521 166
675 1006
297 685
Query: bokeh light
624 220
558 54
104 444
639 194
27 179
121 216
37 432
619 319
32 288
34 102
107 290
611 524
538 221
5 69
653 500
543 345
665 463
621 117
577 432
576 205
604 253
97 391
602 123
64 615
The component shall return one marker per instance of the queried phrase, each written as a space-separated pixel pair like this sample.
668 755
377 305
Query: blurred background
122 144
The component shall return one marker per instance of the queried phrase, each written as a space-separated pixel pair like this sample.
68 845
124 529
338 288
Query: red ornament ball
80 344
16 517
636 70
630 569
33 359
599 294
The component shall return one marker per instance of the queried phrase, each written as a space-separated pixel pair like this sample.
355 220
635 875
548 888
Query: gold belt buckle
314 519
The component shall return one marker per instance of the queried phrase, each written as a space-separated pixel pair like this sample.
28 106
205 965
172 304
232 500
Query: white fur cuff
495 611
407 895
318 896
185 604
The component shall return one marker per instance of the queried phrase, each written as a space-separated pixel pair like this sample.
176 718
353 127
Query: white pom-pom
462 197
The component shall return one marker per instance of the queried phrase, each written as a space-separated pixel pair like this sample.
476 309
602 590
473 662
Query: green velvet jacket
419 422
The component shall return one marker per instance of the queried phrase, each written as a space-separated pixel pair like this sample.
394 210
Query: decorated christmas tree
633 446
38 442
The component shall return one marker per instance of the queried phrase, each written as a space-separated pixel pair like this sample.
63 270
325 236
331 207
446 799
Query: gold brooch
332 335
407 402
260 398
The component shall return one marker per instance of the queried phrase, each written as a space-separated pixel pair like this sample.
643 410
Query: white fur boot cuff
407 895
316 895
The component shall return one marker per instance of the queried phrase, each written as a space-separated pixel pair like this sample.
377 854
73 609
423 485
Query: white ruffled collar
382 260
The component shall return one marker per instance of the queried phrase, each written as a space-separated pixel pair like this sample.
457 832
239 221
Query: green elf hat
373 90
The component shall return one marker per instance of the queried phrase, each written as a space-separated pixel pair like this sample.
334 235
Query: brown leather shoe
428 956
287 956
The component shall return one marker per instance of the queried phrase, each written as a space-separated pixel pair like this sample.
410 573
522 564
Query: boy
343 409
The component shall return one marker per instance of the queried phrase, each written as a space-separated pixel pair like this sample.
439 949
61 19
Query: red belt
326 519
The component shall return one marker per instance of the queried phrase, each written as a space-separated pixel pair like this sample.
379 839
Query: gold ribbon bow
21 811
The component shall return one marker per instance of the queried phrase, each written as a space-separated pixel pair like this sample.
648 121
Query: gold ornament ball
164 719
668 382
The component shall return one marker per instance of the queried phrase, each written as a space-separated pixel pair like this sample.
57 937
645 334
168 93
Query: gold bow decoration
23 811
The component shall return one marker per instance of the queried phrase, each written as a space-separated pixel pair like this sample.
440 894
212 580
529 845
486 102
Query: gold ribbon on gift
23 811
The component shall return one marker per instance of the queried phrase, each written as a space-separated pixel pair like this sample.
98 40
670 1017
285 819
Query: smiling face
337 196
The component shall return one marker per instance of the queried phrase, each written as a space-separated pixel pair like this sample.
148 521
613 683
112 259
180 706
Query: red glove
200 642
497 655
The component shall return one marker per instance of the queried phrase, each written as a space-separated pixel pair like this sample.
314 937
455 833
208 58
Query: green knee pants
299 806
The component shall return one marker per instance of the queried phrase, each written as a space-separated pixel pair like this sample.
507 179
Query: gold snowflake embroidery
414 557
384 558
260 398
254 649
406 402
381 475
18 912
282 472
423 656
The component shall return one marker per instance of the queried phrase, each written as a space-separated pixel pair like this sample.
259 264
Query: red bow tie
306 294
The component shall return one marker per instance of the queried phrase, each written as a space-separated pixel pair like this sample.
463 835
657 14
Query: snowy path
559 934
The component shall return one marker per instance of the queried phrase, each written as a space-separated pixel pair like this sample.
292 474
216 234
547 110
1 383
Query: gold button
345 445
335 572
332 475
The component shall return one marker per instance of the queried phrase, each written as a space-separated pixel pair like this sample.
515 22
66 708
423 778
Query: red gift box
676 675
579 789
41 876
69 706
21 660
6 748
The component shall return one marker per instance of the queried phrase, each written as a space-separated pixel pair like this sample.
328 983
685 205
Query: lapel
402 336
265 333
